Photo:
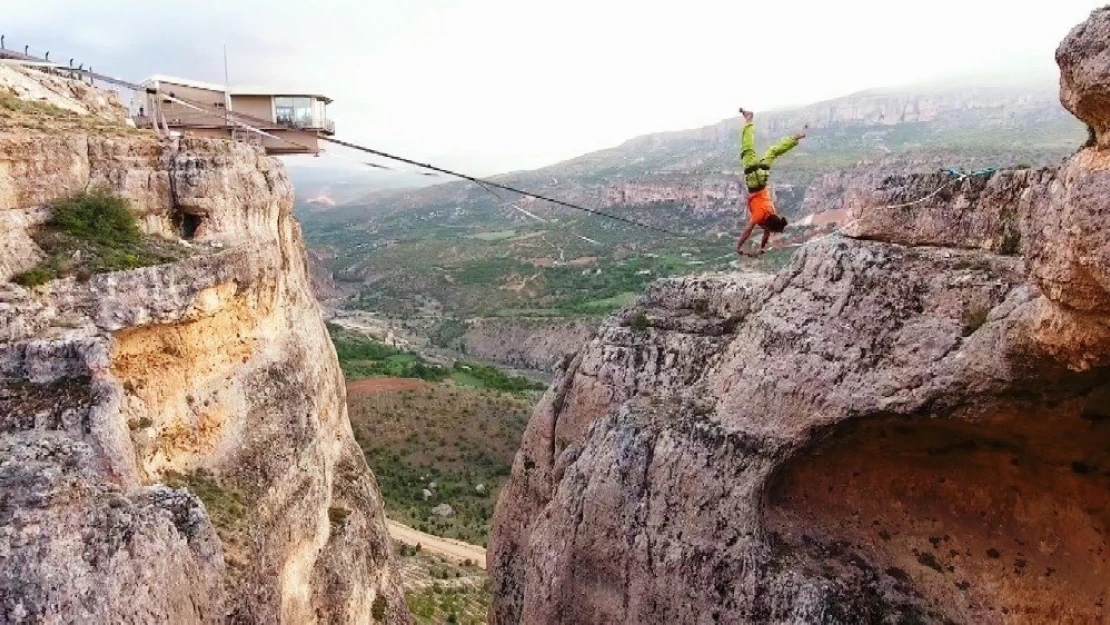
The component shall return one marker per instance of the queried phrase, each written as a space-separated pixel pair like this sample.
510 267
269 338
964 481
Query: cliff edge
908 424
174 442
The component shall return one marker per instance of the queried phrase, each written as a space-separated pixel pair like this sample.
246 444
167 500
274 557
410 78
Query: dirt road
454 550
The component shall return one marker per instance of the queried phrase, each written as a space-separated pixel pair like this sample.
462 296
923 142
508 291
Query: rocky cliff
536 344
833 191
175 443
907 424
708 194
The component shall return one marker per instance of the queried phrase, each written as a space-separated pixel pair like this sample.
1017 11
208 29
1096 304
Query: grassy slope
438 591
454 437
457 434
429 269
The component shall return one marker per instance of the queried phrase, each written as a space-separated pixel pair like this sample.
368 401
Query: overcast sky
511 84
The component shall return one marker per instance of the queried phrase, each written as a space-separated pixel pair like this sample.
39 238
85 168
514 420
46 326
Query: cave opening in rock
190 224
1001 517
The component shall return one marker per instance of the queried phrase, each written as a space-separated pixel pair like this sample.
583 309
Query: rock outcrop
911 424
535 344
834 191
944 210
175 444
709 194
1084 61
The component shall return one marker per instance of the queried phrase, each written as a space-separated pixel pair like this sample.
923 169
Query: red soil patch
373 386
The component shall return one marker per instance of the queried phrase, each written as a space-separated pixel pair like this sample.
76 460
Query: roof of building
235 89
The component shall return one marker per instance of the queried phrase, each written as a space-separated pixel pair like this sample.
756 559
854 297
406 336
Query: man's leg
747 145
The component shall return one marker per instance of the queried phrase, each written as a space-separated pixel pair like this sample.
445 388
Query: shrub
94 232
97 216
338 517
1011 243
640 322
361 356
377 608
37 276
226 506
484 376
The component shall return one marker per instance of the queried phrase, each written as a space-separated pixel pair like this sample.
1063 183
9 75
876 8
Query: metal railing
311 123
242 136
186 119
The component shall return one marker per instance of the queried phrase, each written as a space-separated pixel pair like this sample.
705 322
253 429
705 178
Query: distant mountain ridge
461 249
961 126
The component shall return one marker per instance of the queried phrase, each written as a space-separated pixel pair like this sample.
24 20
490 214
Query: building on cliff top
297 120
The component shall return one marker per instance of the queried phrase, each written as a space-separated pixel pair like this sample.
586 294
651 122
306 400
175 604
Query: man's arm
766 238
744 237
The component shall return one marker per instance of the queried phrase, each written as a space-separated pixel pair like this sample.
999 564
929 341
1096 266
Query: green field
494 236
362 356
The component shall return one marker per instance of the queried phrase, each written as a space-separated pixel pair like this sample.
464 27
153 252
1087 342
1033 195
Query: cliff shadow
1000 517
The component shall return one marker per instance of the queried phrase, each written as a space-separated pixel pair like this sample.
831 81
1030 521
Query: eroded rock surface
1084 61
174 444
537 344
908 425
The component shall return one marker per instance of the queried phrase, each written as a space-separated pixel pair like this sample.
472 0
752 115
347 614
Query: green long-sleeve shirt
758 171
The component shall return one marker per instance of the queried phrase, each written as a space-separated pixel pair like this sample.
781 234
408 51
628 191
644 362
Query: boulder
1084 60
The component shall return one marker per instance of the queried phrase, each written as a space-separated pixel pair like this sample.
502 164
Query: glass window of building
283 110
299 111
302 110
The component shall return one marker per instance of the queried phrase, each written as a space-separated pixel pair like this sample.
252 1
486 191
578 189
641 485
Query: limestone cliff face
708 195
175 444
536 344
910 424
834 191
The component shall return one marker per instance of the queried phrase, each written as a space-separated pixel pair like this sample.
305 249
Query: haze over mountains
456 246
967 120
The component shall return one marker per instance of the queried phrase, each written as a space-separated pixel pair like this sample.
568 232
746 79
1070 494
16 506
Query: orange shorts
760 206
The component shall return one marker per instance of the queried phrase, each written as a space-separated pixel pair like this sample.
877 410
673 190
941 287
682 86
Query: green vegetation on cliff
94 232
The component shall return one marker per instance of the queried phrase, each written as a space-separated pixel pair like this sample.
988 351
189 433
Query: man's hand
802 135
748 115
